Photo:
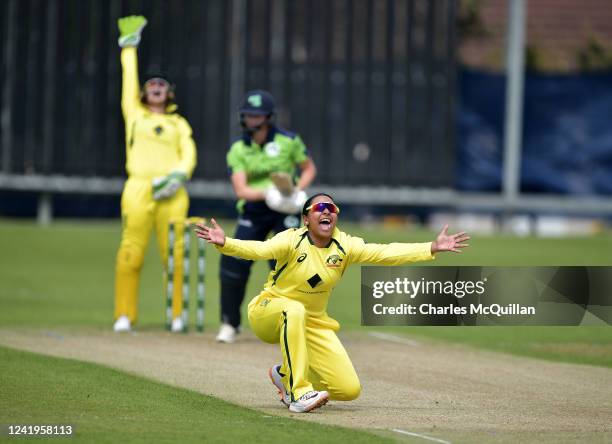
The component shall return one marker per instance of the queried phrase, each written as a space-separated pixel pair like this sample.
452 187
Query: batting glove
285 204
167 186
130 29
298 199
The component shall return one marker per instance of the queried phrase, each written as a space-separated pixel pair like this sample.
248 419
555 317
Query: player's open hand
212 235
449 242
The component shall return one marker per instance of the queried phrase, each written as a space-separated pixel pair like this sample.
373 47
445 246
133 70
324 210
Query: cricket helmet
257 102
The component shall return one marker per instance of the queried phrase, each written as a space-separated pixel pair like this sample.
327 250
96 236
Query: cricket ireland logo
272 149
255 100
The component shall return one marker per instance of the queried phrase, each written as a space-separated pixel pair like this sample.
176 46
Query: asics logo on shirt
302 257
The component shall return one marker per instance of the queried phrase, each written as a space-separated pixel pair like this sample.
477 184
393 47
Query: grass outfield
105 405
63 276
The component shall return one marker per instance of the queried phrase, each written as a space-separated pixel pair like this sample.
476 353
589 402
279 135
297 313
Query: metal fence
369 84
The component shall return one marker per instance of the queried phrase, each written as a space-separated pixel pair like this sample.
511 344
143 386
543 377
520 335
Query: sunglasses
322 206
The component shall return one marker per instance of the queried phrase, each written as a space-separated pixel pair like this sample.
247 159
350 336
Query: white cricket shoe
177 324
309 401
276 378
122 324
227 334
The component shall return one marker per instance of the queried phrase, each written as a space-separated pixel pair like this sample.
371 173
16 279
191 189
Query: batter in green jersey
281 151
259 162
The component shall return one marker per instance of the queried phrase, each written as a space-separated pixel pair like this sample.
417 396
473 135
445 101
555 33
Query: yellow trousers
313 356
140 214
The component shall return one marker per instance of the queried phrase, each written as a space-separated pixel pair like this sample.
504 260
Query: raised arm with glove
130 29
160 157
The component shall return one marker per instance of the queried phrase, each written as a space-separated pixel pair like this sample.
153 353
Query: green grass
104 405
580 345
62 276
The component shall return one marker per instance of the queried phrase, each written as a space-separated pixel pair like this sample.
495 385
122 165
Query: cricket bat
284 183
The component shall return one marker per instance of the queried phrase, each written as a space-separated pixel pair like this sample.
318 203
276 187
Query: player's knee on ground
346 390
129 258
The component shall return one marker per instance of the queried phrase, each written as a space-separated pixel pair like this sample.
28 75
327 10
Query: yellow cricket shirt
156 144
308 274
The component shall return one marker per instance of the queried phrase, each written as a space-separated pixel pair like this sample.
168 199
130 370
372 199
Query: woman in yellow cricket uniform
160 157
292 308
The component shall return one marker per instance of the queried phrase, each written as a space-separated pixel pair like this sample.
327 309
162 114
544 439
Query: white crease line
392 338
404 432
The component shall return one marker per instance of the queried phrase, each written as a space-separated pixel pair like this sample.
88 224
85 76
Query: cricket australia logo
333 261
272 149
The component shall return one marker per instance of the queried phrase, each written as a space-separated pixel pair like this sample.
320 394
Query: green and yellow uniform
156 145
281 152
292 308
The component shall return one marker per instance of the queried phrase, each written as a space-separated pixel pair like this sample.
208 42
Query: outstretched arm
273 248
130 89
213 235
130 29
403 253
449 242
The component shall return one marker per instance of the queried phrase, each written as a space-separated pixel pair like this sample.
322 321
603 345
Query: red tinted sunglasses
322 206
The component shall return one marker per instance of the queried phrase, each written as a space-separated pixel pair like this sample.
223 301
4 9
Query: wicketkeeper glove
285 204
167 186
129 30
